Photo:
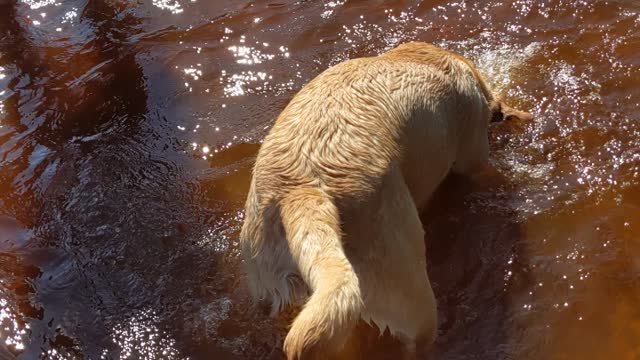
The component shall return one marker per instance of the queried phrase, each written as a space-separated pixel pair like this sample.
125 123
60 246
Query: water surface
128 128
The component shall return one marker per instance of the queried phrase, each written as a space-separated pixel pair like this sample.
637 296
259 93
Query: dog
331 216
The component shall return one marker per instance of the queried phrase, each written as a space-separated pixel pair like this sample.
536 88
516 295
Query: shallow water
127 131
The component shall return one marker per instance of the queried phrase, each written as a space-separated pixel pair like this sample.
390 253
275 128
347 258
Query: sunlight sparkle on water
193 72
11 332
70 15
36 4
330 8
249 55
2 93
249 81
140 338
173 6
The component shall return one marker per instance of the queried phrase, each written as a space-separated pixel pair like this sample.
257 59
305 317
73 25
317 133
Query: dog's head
501 111
474 152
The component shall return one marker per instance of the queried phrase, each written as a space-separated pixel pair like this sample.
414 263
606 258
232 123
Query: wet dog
332 211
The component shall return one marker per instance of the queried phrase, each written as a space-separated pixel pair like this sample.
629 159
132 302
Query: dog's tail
311 222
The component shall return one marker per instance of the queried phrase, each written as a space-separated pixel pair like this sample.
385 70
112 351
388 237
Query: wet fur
332 210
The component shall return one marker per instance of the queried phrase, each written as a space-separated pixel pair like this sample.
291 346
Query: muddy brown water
128 128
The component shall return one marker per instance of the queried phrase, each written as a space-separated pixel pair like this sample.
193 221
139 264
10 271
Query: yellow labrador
332 211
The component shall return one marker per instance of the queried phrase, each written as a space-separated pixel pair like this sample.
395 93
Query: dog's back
332 202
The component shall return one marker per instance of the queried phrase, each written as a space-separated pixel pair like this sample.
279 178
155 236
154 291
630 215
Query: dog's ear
501 111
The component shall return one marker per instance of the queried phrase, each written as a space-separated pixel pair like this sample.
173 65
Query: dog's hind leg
392 267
